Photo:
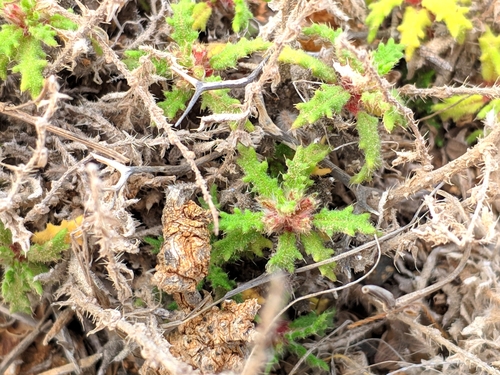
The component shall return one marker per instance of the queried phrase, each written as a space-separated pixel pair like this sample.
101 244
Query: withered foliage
96 145
185 254
219 339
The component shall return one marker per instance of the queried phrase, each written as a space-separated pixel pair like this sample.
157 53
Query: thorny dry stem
472 157
139 87
443 92
112 226
146 335
433 334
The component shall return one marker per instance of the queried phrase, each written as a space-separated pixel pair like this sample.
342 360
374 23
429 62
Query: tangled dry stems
112 227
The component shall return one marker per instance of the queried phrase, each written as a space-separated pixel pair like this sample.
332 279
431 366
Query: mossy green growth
19 269
288 213
305 326
22 40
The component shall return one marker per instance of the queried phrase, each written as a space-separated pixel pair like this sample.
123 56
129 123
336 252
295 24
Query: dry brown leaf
217 340
184 257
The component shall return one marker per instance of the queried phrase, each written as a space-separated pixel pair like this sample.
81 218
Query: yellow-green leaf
412 29
453 16
378 11
459 106
490 56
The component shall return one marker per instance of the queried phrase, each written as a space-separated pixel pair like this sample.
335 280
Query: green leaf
323 31
314 246
4 63
236 242
6 256
459 106
60 22
369 142
412 29
11 37
374 103
328 99
286 254
201 14
343 221
493 105
453 16
28 5
182 24
5 235
18 282
155 243
219 101
391 118
297 178
256 174
313 361
51 250
379 10
386 56
242 15
31 61
175 101
318 68
244 221
44 33
490 55
310 324
232 52
218 278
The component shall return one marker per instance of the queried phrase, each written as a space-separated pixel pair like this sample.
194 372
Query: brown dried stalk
443 92
473 157
139 83
435 335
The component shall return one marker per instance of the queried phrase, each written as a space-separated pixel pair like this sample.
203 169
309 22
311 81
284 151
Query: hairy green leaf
490 55
5 235
318 68
31 61
232 52
323 31
175 101
297 178
242 15
343 221
182 24
369 142
256 174
49 251
236 242
44 33
379 10
459 106
310 324
218 278
328 99
314 246
286 254
244 221
386 56
201 14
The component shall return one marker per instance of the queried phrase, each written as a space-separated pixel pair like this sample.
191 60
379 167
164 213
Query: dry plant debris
120 125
